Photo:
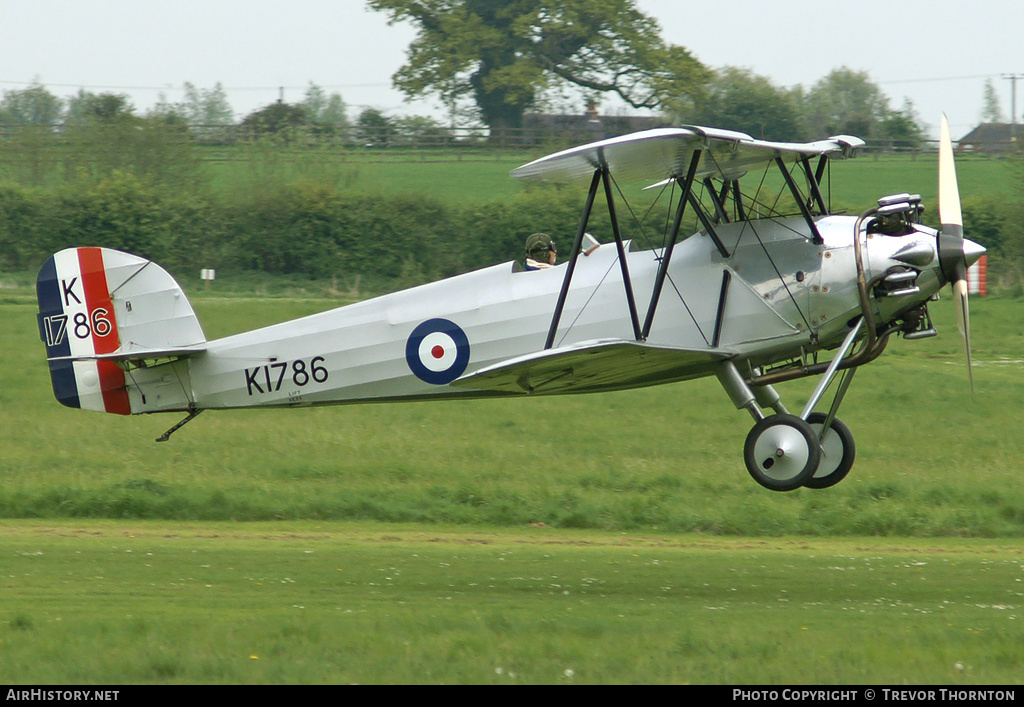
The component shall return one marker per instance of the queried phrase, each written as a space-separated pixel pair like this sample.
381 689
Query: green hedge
321 230
306 228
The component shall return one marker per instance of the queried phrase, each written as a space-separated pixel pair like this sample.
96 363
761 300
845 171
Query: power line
380 84
941 78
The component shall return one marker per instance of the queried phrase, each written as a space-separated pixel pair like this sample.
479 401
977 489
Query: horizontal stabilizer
594 366
132 352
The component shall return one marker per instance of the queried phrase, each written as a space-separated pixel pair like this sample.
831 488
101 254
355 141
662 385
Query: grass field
115 603
596 539
442 175
856 183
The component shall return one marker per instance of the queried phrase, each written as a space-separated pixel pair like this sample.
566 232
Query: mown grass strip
140 602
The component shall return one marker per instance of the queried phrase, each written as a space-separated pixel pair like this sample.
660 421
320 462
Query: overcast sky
937 53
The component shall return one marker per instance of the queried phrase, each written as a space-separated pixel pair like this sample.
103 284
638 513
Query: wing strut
799 200
812 180
720 315
606 178
666 256
718 199
601 174
819 174
737 197
577 246
708 225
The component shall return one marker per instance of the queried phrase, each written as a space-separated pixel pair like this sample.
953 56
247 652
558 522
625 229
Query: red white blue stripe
77 323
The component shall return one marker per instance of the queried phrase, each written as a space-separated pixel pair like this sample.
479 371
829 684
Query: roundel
437 351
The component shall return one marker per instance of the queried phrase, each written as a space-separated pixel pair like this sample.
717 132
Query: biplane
758 295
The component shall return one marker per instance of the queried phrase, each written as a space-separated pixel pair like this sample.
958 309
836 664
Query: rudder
100 308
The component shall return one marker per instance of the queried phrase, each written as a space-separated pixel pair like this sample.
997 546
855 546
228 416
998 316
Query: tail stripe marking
100 313
51 310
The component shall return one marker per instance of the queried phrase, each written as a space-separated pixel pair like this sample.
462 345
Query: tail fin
100 309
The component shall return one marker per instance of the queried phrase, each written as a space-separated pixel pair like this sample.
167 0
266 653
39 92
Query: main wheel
837 452
781 452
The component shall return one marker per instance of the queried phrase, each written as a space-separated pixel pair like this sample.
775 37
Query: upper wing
666 152
594 366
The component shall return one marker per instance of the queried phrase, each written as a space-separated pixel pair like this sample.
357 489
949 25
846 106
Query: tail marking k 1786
77 322
100 313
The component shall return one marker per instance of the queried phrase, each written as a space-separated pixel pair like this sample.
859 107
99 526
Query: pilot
540 251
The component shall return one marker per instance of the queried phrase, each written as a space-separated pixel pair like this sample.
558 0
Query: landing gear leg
783 451
837 448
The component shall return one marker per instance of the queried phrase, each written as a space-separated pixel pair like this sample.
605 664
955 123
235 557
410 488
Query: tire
837 452
781 452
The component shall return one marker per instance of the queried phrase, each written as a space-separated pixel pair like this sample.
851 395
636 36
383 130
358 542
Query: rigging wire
764 248
638 230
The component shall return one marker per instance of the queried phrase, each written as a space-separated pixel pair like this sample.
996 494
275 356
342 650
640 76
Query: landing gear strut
783 451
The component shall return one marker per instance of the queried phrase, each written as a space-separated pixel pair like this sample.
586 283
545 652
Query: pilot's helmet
539 245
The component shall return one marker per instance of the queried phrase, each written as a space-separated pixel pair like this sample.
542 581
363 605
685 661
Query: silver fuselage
800 299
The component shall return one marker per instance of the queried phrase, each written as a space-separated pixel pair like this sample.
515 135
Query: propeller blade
963 323
951 235
951 245
949 192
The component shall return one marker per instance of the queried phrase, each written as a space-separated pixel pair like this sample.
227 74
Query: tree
845 102
324 110
848 102
206 112
105 139
502 54
86 107
421 131
374 129
991 111
203 107
30 156
738 99
277 118
30 106
900 128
